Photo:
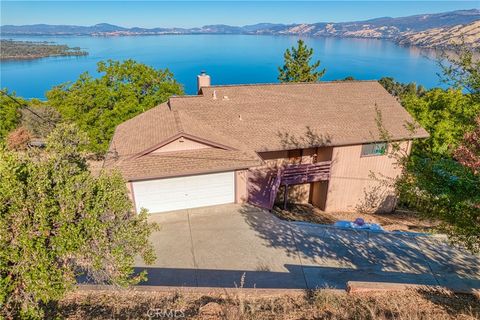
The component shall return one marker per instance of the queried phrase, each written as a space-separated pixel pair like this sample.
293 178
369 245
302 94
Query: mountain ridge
402 30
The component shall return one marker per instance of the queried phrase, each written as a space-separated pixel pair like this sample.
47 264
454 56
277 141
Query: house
261 143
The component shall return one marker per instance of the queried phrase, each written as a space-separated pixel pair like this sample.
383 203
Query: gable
181 144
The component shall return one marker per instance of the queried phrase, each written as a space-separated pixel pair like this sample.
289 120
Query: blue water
229 59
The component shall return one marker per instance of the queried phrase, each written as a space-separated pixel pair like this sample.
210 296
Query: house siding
130 194
350 179
181 144
351 187
241 194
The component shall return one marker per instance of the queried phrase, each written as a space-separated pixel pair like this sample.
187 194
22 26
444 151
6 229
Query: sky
188 14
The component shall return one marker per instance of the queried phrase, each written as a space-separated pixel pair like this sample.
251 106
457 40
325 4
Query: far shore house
309 142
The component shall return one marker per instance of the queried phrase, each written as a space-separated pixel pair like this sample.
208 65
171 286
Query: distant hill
443 37
426 30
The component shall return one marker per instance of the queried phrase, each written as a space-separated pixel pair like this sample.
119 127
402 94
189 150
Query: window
374 149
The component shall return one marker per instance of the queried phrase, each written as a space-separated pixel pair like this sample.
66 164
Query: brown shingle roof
143 131
158 125
179 163
254 118
260 115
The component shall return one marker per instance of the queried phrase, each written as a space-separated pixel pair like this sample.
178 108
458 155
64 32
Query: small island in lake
20 50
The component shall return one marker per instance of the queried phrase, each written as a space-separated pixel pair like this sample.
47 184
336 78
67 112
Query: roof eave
192 173
353 143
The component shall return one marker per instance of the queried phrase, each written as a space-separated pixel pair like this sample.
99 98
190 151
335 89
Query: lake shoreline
30 50
229 59
428 51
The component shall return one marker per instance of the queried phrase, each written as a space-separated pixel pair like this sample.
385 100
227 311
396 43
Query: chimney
203 80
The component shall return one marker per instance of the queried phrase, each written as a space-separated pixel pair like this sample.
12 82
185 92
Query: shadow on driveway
315 277
214 247
367 255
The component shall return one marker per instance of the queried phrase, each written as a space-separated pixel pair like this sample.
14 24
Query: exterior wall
351 188
130 194
241 193
180 145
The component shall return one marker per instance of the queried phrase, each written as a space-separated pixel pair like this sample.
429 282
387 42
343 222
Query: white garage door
184 192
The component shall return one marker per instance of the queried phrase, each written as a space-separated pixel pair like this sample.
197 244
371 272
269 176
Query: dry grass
398 220
319 304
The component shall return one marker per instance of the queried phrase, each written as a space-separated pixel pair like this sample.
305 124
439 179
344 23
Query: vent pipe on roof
203 80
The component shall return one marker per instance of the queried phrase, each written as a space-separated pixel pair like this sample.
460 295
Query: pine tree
297 67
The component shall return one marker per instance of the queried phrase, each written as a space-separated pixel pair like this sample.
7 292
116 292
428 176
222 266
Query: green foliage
399 89
9 113
468 153
40 118
445 190
297 67
57 221
461 69
440 180
446 114
124 90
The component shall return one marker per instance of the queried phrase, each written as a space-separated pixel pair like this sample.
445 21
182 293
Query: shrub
58 222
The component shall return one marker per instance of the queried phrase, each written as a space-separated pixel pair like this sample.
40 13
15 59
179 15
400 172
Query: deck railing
292 174
305 173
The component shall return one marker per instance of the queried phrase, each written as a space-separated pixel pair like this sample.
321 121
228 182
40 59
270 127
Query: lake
229 59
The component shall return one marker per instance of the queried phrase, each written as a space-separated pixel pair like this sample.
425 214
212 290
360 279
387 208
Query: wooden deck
305 173
264 184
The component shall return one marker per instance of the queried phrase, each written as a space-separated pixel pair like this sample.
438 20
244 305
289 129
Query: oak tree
122 90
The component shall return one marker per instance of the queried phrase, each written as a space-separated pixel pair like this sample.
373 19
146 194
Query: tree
440 180
399 89
58 222
461 69
9 113
446 114
468 153
124 90
297 67
447 191
40 118
438 188
33 115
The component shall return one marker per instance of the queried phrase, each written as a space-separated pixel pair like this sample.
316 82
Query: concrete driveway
215 246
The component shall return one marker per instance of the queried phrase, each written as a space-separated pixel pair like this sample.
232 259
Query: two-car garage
178 193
